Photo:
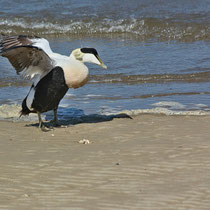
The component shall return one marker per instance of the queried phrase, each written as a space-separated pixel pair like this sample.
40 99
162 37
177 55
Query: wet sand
148 162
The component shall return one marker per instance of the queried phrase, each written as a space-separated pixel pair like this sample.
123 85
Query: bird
52 74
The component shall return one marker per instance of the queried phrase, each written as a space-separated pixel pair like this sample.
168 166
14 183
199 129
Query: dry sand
148 162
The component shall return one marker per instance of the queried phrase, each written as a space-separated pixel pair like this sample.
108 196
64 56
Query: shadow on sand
77 116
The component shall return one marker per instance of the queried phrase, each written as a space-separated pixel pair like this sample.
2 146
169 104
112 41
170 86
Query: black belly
49 91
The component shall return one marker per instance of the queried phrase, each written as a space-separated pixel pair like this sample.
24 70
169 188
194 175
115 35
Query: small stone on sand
84 141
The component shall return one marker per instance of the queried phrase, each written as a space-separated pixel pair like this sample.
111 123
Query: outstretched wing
8 42
27 55
14 41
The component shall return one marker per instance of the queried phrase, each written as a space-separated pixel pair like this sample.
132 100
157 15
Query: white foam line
13 112
164 111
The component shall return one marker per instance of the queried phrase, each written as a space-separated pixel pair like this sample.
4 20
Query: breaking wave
145 29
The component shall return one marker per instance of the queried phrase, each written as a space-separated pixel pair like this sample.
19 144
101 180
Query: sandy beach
155 155
148 162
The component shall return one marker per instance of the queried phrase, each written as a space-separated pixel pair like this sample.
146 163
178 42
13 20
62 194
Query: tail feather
25 110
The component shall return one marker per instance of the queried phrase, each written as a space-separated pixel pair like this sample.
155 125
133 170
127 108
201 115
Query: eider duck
52 74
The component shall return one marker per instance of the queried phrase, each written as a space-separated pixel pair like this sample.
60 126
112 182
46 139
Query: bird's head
89 55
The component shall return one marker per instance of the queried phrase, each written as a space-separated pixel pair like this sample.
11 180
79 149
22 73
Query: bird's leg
55 120
41 124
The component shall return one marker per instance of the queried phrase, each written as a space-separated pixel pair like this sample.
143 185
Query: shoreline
148 162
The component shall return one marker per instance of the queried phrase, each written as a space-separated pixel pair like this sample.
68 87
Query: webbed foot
43 127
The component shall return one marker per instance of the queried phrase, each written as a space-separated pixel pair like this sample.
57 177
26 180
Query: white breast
75 72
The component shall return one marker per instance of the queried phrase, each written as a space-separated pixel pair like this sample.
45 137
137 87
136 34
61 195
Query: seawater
157 54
